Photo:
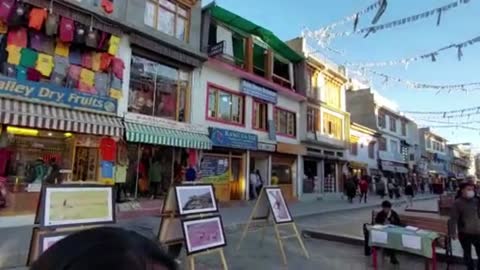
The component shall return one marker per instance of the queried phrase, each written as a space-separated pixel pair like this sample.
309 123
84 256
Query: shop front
225 166
43 143
160 152
324 173
395 170
285 168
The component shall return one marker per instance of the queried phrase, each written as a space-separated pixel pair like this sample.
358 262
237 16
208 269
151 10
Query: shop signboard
268 147
214 169
233 139
216 49
258 91
55 95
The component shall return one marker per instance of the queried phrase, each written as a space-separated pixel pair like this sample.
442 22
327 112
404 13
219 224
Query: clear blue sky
287 18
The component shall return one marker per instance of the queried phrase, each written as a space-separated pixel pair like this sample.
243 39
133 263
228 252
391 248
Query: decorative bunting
430 55
417 85
324 35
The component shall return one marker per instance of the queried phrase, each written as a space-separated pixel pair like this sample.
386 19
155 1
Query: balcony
258 60
385 155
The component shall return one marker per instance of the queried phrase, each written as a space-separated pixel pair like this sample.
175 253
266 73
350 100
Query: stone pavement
15 241
323 255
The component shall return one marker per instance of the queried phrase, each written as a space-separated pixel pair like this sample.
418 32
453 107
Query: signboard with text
214 169
233 139
216 49
55 95
258 91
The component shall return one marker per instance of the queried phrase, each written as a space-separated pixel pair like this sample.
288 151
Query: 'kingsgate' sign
55 95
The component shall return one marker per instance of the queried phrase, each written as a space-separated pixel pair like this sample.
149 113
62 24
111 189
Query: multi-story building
459 162
373 111
325 129
363 151
434 154
248 96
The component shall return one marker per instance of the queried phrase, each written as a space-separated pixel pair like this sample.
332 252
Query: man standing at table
385 217
465 216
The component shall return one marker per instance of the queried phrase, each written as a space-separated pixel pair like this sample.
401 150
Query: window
225 106
260 115
393 124
234 44
158 90
312 119
354 148
382 120
281 72
429 142
404 128
332 126
169 17
285 122
371 150
332 94
394 146
382 144
312 87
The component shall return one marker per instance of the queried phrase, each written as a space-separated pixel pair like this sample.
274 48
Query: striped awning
25 114
142 133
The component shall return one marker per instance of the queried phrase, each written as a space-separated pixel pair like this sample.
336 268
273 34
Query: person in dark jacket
409 192
465 215
385 217
351 189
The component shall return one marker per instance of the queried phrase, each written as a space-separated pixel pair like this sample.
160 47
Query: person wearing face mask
465 217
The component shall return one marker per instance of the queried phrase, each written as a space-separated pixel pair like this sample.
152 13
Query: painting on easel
281 213
203 234
195 199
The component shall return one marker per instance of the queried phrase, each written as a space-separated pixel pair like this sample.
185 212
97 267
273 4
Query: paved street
16 240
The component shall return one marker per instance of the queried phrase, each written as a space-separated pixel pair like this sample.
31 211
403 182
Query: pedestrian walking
363 189
351 190
465 217
253 185
259 182
390 188
409 193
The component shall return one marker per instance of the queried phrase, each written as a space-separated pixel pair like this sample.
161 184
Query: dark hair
386 204
465 184
104 248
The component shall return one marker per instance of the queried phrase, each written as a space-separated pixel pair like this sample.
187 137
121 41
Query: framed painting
67 205
281 213
195 199
203 234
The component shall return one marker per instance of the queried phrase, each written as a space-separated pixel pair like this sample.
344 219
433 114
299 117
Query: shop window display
153 169
158 90
40 46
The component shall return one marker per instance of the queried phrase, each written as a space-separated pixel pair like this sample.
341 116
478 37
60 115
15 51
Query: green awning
245 25
141 133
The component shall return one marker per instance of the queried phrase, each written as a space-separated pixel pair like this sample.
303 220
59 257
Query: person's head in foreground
386 206
103 249
467 189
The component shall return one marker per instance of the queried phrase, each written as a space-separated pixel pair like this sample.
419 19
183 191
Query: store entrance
235 179
330 176
310 169
85 164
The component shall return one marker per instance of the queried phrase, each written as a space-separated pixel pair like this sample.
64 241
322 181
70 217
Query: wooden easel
170 211
261 214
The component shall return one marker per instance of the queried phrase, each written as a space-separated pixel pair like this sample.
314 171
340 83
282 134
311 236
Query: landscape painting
203 234
196 199
281 214
77 205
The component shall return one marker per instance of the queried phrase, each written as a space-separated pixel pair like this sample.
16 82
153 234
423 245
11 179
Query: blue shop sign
55 95
233 139
258 91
